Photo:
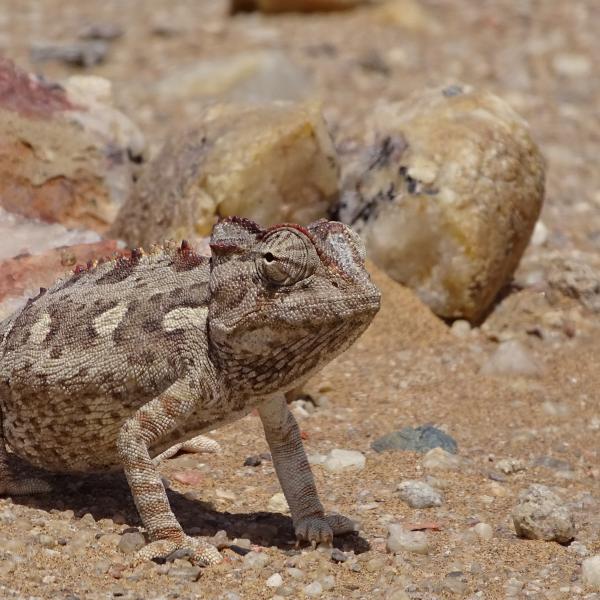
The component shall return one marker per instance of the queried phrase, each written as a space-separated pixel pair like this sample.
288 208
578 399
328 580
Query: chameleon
122 362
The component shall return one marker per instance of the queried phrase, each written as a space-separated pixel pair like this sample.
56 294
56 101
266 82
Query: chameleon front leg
295 476
151 422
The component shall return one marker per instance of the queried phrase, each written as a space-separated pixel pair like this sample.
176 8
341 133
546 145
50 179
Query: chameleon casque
119 363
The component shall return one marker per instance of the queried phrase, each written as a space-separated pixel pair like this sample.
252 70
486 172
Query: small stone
511 358
278 503
340 460
47 541
131 542
295 573
313 589
418 439
183 569
461 328
189 477
484 531
253 461
590 573
274 581
455 582
418 494
375 564
508 466
256 560
80 54
540 514
571 64
440 459
338 556
328 582
540 234
402 540
225 495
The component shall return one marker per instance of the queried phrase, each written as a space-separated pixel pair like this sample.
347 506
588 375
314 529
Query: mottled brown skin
120 364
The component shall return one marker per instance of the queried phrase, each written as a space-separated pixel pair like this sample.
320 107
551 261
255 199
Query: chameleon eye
286 257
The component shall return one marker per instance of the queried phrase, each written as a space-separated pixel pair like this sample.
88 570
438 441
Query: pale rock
447 197
274 581
484 531
340 460
508 466
313 589
540 234
418 494
511 358
402 540
278 503
590 572
541 515
273 163
571 64
461 328
67 153
256 560
438 458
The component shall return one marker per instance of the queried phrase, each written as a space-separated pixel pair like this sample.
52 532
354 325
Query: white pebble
590 572
256 560
418 494
313 589
438 458
275 580
340 460
461 328
484 531
400 539
278 503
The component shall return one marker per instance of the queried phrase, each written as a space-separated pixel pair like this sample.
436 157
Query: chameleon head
287 299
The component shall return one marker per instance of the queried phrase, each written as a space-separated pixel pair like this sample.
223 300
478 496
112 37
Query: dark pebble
419 439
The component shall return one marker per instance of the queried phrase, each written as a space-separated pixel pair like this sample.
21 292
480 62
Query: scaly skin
123 363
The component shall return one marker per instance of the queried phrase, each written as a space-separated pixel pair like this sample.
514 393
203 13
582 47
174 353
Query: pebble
275 581
185 570
256 560
341 460
338 556
328 582
511 358
295 573
461 328
418 494
80 54
508 466
590 572
541 515
278 503
313 589
484 531
440 459
417 439
455 582
131 542
401 539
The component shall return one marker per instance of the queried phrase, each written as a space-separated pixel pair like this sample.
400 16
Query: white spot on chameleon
185 318
40 329
108 321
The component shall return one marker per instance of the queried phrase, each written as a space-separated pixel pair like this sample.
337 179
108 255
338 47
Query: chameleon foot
199 552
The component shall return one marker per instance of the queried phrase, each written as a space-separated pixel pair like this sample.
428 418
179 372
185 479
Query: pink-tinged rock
189 477
22 276
66 154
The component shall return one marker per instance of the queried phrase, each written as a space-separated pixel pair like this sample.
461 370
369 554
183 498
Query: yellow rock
271 163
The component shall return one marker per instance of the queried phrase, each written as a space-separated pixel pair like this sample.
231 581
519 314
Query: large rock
541 515
65 152
272 163
447 197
